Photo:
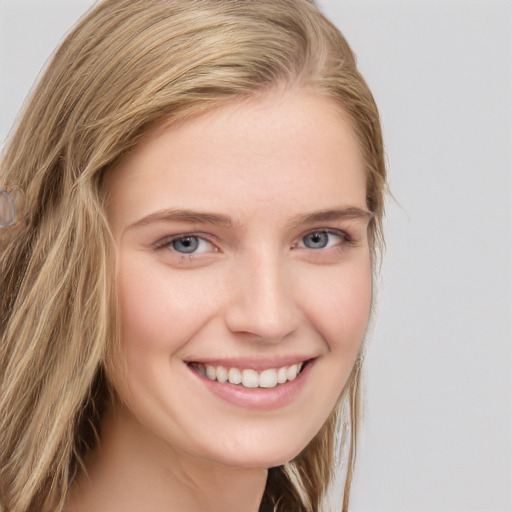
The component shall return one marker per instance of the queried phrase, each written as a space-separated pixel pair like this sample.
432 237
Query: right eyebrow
189 216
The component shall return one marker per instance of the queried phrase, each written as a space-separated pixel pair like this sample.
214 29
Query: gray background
438 419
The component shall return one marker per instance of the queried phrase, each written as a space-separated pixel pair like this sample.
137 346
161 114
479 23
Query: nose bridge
262 301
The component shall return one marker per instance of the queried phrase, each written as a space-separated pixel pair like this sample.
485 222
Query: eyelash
345 238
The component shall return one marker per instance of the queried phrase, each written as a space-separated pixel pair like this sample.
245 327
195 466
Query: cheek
339 304
160 309
339 308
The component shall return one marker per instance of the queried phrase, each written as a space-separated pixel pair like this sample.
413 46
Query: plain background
438 421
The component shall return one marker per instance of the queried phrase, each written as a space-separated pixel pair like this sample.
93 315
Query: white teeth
249 378
292 371
282 375
268 378
210 372
222 374
234 376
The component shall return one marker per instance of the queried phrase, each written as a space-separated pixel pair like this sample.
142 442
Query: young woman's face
242 255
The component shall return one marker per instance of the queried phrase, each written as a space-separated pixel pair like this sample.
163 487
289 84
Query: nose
262 302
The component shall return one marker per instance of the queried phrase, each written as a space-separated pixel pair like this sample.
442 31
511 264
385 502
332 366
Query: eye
322 239
187 244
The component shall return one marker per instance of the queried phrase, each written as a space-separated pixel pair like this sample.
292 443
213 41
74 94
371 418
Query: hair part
128 65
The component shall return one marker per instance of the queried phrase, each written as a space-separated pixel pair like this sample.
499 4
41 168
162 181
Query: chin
273 451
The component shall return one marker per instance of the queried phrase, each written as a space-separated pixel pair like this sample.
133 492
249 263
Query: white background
438 427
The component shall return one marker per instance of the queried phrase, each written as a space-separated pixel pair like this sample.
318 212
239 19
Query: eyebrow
218 219
190 216
331 215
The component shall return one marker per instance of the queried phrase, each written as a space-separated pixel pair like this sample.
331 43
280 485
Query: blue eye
186 245
321 239
185 248
316 240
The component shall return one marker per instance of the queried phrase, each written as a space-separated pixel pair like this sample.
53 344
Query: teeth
268 378
250 378
282 376
292 371
222 374
235 376
210 372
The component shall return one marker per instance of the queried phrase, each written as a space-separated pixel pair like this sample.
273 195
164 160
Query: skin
254 290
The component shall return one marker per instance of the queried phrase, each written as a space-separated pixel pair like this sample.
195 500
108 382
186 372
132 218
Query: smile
250 378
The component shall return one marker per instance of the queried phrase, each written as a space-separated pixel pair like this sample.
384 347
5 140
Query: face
244 277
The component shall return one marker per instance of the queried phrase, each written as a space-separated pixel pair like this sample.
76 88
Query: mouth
248 377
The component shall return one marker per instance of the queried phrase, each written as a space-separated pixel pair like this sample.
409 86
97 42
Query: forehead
295 148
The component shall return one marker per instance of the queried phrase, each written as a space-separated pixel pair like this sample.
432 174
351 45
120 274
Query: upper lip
257 364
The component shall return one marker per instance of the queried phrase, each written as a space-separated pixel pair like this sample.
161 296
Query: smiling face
242 256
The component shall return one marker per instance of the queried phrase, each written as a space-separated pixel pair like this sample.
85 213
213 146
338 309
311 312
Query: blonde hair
126 66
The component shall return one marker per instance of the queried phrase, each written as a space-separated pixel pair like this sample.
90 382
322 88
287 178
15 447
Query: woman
185 297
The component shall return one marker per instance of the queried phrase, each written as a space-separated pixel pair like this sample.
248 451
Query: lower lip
262 399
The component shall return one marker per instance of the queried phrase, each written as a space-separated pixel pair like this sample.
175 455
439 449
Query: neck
131 471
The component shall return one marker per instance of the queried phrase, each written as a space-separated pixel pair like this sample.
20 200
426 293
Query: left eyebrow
332 215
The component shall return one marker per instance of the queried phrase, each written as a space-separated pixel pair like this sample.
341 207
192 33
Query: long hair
128 65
